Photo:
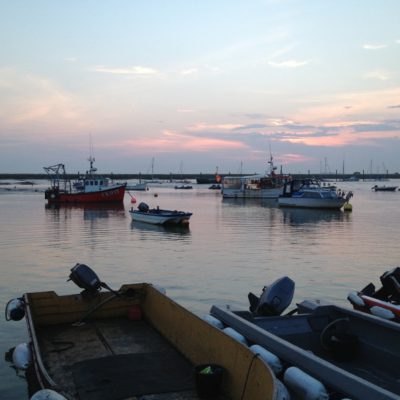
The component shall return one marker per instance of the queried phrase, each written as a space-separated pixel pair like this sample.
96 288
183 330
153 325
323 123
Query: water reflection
270 203
90 211
173 229
297 216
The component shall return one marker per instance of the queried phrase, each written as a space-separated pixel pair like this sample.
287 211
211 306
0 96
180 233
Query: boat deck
115 358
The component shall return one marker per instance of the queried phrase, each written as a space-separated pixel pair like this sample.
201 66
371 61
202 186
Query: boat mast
271 162
91 158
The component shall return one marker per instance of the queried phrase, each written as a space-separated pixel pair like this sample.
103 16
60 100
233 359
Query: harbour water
230 248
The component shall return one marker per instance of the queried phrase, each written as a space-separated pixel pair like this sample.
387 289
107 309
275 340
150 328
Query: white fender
281 392
213 321
304 385
22 356
271 359
47 394
15 310
234 334
382 312
355 299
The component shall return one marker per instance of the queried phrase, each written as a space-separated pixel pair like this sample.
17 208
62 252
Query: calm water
232 247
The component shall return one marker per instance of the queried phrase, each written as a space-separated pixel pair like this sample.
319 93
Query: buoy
47 394
155 194
213 321
234 334
133 200
355 299
15 310
304 385
271 359
347 207
22 356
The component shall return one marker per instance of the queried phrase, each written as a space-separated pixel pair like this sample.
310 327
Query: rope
248 374
325 330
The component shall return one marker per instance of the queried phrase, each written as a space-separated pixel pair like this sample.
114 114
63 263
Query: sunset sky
200 84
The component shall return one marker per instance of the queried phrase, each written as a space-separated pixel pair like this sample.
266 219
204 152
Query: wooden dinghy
134 343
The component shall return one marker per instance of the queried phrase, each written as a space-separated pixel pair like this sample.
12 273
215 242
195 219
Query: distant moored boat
89 188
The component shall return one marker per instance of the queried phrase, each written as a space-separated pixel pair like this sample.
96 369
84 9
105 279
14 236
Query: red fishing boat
88 188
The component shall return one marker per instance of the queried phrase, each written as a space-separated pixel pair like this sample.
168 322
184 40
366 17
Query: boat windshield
232 182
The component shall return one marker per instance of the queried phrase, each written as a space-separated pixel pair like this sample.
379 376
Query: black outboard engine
143 207
390 290
85 278
274 298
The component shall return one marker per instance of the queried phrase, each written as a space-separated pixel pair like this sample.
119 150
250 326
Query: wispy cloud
171 141
138 70
280 52
185 110
44 104
372 46
189 71
214 127
380 75
293 158
288 64
385 126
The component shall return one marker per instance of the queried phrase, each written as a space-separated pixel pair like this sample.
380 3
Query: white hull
159 219
138 186
272 193
334 204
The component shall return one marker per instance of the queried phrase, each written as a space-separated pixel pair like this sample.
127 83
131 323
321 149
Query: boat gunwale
330 373
41 371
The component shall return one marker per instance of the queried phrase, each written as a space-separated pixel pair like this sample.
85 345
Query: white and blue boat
159 216
310 194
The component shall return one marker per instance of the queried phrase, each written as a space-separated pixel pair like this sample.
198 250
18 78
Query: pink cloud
172 141
292 158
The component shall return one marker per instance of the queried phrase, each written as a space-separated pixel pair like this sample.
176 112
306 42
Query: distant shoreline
29 176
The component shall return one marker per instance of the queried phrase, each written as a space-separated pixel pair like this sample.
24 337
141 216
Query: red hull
116 194
371 301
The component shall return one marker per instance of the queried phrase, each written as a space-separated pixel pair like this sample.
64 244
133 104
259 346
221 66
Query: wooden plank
202 343
50 308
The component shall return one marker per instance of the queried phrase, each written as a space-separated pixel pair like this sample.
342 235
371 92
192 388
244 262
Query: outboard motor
274 298
390 290
85 278
143 207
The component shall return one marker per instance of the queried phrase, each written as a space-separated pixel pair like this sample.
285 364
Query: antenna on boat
91 158
271 162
